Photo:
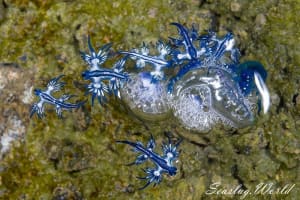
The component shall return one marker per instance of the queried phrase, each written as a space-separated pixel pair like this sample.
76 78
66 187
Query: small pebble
260 20
235 7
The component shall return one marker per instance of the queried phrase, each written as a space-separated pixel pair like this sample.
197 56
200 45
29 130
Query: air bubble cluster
207 84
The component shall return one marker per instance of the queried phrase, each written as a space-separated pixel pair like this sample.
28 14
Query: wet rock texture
77 158
15 96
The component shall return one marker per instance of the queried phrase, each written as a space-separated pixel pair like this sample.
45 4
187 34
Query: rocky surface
15 98
77 158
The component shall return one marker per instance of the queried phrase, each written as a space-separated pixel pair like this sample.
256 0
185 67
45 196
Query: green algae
77 157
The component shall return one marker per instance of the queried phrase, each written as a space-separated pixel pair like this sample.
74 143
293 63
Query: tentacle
95 59
151 143
184 33
153 176
37 108
98 90
54 85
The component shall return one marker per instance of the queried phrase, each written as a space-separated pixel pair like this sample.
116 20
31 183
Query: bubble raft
205 84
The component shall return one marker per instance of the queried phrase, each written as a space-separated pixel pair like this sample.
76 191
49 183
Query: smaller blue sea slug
163 164
46 97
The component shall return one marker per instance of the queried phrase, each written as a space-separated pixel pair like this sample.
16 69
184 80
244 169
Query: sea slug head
85 75
172 171
37 92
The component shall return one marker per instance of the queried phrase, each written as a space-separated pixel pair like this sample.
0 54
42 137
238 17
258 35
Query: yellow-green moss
77 157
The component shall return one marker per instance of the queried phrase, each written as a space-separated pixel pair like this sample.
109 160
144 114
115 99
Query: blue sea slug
46 97
158 62
103 80
163 164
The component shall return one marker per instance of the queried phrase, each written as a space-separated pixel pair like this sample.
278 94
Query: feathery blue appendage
46 97
54 85
103 80
152 176
187 41
170 151
159 62
151 144
163 164
38 108
94 60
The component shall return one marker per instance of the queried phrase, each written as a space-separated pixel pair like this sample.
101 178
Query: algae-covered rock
77 157
15 96
67 192
69 156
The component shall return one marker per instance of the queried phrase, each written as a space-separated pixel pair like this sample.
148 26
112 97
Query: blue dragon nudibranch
158 63
163 164
46 97
103 80
209 84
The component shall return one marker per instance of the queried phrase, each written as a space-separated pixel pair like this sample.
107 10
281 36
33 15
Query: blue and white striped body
159 63
45 97
99 75
163 164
